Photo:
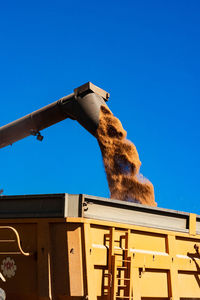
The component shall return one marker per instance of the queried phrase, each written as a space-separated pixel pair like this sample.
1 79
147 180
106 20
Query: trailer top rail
84 206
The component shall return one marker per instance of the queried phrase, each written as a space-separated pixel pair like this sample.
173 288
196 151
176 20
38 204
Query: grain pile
122 163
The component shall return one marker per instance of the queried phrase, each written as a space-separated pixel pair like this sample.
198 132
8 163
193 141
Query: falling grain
122 163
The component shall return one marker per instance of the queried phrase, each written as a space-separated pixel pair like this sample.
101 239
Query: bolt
196 247
72 250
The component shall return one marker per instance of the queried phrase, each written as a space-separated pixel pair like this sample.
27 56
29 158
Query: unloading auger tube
83 105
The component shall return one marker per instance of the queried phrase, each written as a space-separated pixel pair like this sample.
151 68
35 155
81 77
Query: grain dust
121 162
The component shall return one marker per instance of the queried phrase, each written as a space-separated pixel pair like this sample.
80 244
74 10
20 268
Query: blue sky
145 53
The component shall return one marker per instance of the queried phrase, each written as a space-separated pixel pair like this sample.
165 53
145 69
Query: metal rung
124 297
10 253
7 241
121 278
122 268
121 249
121 286
123 260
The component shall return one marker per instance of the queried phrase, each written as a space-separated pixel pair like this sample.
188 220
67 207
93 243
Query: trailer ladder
120 266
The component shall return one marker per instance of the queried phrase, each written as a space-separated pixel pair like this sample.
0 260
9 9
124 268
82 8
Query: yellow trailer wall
80 258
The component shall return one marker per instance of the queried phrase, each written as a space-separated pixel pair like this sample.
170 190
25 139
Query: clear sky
145 53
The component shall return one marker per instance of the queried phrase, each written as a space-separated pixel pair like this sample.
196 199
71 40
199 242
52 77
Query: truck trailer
75 247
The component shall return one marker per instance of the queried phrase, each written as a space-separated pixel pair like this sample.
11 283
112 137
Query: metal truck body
71 247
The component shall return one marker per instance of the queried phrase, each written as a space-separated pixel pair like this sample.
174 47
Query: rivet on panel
72 250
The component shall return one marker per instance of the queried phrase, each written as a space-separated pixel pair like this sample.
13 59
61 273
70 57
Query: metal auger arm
83 105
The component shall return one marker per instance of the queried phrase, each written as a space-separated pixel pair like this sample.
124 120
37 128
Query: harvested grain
121 162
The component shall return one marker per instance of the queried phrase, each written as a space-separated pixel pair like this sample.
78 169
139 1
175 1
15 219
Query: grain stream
121 162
